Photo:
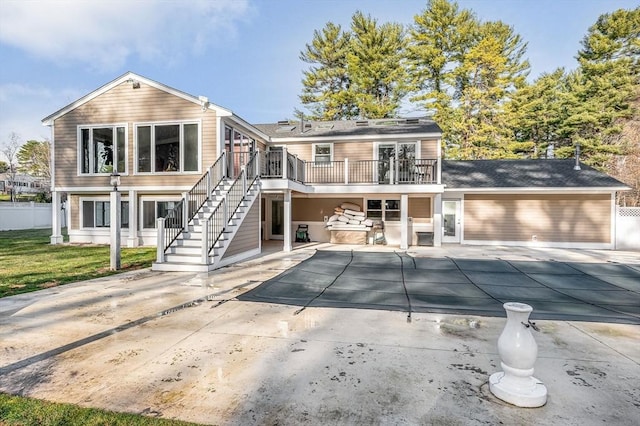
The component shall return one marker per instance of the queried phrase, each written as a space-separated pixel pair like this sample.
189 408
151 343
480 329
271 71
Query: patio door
451 228
385 155
277 219
402 155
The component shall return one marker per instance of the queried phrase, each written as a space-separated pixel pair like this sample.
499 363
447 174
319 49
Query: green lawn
29 263
20 411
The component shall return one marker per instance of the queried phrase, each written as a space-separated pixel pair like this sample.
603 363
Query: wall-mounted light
114 179
135 84
204 102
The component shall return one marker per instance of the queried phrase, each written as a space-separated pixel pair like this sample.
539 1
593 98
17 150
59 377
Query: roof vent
362 123
577 166
324 126
285 129
412 121
283 123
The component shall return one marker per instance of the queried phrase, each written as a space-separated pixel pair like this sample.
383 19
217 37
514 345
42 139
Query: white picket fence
24 216
627 228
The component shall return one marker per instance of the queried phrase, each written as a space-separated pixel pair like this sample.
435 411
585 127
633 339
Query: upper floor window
167 147
102 149
322 153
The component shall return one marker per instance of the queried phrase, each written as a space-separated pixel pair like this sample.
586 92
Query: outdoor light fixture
114 225
115 180
135 84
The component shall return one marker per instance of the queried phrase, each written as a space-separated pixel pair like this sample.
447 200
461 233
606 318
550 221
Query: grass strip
22 411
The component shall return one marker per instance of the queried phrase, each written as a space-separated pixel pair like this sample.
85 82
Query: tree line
471 76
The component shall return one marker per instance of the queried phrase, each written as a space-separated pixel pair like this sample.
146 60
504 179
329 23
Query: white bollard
518 352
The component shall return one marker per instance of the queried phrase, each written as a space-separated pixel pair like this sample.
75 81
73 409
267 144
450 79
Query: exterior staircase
200 246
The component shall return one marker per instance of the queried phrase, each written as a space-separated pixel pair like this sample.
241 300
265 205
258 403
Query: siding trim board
552 190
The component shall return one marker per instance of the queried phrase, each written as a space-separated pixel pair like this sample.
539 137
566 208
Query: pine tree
466 70
376 66
536 114
326 85
604 87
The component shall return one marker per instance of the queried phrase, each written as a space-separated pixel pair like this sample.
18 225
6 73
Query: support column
132 240
287 221
114 230
437 220
404 222
56 213
285 163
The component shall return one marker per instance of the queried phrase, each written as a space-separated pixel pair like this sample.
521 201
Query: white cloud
23 106
103 34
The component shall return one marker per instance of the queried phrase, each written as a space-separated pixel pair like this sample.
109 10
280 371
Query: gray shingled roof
309 129
523 173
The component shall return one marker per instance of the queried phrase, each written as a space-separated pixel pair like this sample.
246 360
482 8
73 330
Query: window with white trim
387 210
167 147
155 209
322 153
97 214
102 149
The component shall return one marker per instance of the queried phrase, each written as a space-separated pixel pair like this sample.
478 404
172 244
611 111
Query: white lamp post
114 226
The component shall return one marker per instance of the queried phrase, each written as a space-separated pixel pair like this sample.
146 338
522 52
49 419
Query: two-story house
207 187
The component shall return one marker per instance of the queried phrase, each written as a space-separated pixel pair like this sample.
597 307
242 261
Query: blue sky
241 54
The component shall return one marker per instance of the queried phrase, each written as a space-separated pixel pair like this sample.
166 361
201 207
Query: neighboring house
22 184
207 187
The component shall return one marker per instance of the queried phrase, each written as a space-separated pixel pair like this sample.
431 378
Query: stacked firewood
349 216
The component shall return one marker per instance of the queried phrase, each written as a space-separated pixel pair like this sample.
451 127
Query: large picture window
97 214
173 147
102 149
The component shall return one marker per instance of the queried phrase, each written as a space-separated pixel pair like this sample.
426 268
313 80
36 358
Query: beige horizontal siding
315 209
420 209
74 204
303 151
354 151
429 148
553 218
123 104
248 235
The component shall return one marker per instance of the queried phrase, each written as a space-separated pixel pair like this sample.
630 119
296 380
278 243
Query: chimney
577 166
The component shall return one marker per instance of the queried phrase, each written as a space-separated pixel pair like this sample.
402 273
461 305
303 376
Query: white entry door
451 213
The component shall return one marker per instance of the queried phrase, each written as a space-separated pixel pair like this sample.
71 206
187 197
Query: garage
550 203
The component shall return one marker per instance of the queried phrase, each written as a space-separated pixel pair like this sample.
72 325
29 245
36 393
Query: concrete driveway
184 346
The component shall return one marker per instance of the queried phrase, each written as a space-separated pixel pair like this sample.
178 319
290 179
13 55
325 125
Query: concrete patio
183 346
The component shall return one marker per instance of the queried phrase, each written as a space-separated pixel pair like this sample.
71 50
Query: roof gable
133 78
556 173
